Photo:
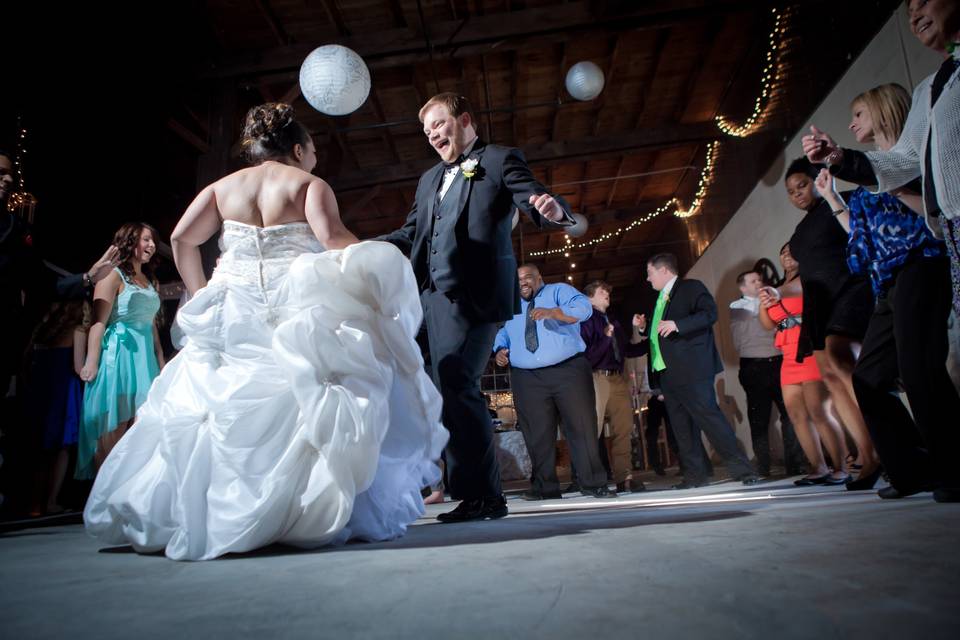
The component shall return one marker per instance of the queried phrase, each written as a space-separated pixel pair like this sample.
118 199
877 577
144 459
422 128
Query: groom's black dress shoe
478 509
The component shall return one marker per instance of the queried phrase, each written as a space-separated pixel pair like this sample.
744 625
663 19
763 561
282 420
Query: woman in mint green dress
123 348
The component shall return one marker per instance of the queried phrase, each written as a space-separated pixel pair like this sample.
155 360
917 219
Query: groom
458 238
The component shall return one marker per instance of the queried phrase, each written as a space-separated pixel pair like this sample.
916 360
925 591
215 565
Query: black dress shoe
749 479
686 484
834 482
598 492
537 495
811 481
946 494
893 493
573 487
865 482
478 509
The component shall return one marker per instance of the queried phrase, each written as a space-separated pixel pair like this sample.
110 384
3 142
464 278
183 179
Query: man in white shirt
760 376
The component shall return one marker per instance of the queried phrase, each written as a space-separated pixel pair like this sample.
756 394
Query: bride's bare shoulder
237 178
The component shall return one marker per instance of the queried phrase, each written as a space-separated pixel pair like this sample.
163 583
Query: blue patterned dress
884 235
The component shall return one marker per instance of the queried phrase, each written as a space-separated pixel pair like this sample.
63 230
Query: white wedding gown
298 411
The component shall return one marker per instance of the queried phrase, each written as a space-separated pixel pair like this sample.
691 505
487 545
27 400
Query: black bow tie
456 163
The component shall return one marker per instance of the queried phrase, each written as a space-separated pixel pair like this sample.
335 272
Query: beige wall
766 220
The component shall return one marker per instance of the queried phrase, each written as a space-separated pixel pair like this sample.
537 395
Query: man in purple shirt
607 348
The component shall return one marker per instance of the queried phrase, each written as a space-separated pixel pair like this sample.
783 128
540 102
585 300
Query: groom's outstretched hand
547 206
503 357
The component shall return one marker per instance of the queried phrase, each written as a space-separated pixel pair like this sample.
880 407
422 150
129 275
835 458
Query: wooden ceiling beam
476 35
263 6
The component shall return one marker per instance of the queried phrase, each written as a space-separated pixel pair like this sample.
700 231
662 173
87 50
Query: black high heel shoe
865 483
811 481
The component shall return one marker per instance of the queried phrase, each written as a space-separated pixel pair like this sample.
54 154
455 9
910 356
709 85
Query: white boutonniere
469 167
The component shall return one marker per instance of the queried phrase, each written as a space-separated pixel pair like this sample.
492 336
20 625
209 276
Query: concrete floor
724 561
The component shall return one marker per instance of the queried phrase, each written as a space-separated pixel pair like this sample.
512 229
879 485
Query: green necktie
658 363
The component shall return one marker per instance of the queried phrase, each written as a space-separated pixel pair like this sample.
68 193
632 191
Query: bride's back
269 194
277 191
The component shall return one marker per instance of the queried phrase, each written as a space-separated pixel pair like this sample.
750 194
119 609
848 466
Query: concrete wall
766 219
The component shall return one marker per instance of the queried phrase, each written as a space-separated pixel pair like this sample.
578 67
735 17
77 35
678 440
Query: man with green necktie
683 355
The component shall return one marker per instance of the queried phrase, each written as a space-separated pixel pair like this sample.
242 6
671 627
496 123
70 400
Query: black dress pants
459 351
906 341
760 379
560 394
693 407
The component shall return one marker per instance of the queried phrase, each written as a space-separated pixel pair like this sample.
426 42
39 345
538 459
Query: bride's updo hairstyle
270 131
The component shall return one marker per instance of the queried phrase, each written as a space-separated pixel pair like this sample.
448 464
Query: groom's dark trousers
459 351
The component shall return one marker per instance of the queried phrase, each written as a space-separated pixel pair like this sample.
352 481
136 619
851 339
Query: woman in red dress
804 393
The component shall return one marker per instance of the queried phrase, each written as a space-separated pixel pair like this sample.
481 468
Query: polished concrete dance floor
724 561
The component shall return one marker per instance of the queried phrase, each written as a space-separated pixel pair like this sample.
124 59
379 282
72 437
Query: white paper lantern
579 227
584 80
334 80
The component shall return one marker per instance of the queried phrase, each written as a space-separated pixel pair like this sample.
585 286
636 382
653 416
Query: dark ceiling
130 109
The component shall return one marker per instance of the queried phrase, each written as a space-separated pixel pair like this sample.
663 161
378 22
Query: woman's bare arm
199 222
323 215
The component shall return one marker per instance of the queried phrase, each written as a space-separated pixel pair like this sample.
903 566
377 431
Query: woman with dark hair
836 304
298 410
123 347
804 394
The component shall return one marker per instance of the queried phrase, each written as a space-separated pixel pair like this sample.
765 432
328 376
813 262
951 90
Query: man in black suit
458 238
684 357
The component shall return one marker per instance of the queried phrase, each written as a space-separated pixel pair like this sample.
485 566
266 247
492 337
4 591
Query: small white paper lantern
579 227
584 80
334 80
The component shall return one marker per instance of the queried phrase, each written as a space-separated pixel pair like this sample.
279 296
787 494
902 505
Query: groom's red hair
456 104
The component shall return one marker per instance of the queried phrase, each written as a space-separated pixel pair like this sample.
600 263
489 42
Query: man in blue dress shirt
552 382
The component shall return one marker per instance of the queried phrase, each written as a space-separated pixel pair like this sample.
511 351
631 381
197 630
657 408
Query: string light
770 84
21 202
706 179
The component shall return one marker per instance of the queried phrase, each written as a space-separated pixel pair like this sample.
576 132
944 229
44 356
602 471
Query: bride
298 411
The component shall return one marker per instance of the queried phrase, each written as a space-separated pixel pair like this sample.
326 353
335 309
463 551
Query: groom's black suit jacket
471 255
